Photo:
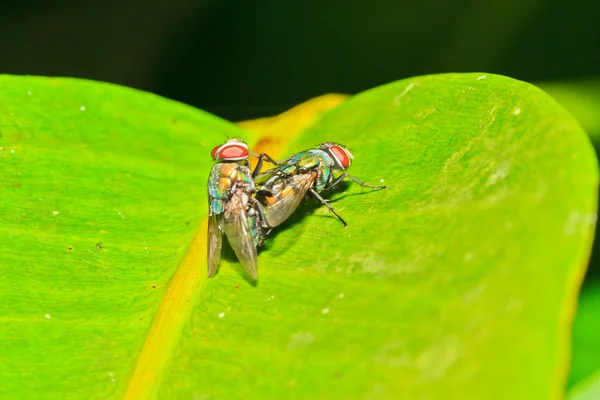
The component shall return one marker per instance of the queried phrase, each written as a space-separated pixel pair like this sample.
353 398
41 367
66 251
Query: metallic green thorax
223 180
304 161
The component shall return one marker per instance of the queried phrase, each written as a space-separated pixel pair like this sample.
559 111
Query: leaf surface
433 290
103 189
588 389
434 286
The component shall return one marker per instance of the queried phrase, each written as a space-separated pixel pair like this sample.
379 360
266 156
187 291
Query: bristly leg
259 208
261 158
322 200
355 179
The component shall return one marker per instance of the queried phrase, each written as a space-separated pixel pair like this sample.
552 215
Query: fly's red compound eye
340 155
233 152
214 152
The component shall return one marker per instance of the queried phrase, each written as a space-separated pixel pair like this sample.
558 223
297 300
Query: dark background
245 59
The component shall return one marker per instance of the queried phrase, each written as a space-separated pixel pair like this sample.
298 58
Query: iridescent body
282 188
314 159
232 209
230 183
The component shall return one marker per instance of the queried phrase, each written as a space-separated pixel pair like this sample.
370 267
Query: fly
233 210
281 189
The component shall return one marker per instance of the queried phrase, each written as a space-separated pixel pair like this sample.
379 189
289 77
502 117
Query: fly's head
342 158
232 150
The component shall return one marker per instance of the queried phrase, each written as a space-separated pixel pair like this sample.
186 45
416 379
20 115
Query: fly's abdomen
255 229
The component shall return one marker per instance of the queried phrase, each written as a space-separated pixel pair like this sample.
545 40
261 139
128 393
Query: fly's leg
259 208
258 166
322 200
355 179
268 158
261 158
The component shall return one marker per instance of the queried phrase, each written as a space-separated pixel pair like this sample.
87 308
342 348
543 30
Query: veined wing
284 196
235 226
215 240
263 177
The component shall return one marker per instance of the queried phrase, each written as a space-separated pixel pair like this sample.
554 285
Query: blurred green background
247 59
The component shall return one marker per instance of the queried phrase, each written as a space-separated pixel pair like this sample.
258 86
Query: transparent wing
215 240
263 177
235 226
286 195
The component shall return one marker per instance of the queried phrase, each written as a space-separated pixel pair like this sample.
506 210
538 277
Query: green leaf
455 282
102 190
582 98
586 334
589 389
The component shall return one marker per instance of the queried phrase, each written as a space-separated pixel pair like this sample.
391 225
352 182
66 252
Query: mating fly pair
244 204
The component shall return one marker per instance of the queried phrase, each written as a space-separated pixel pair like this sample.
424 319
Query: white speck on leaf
55 212
481 77
29 92
499 173
381 180
407 89
47 316
221 315
341 295
82 108
325 311
517 111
